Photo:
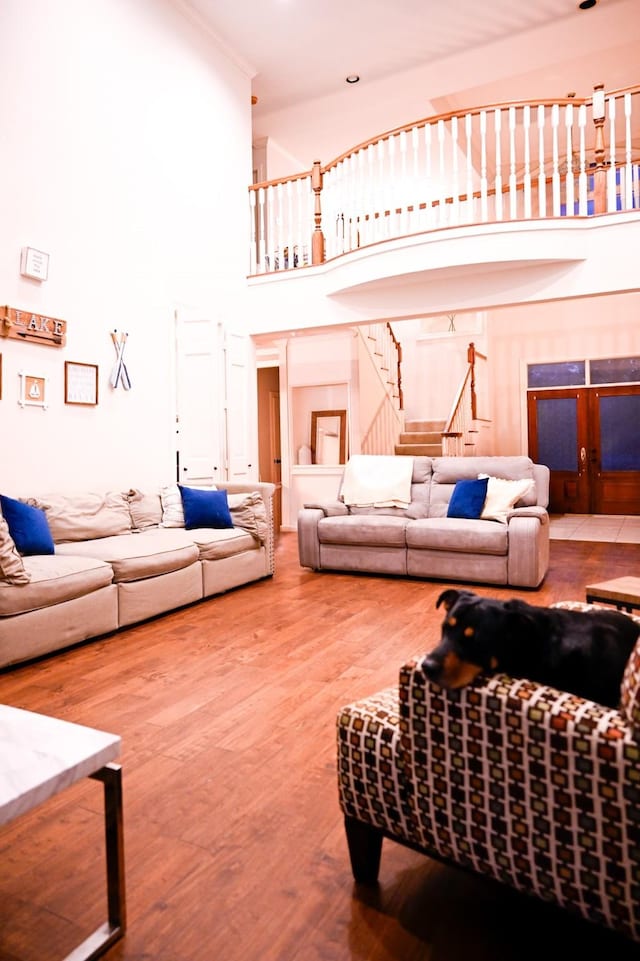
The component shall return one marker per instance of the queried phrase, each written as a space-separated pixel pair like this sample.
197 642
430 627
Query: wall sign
34 263
80 383
35 328
33 390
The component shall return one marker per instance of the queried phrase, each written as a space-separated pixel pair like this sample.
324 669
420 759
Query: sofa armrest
528 549
330 508
308 540
532 511
266 490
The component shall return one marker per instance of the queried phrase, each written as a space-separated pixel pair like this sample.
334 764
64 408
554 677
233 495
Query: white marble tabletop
40 756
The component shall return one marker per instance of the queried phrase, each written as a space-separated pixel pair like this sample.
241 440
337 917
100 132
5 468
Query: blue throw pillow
468 497
28 527
205 508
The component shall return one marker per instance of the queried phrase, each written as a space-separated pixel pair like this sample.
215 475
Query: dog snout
431 667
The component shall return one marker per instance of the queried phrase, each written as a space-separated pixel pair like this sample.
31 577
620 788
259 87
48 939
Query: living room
234 842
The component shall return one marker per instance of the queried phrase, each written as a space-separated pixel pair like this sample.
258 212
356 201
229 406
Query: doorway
269 450
589 439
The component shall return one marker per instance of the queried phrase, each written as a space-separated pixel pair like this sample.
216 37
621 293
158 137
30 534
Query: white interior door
240 406
199 401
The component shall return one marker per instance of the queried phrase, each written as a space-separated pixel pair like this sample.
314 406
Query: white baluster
252 232
555 173
612 191
542 180
513 193
428 176
569 182
415 180
402 195
455 186
468 128
262 230
583 202
526 180
288 223
628 173
483 166
441 175
497 126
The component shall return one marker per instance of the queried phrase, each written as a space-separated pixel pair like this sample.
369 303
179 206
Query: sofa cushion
172 510
213 543
447 470
467 499
457 534
503 495
53 579
205 508
12 569
145 509
136 556
249 512
28 526
85 515
378 530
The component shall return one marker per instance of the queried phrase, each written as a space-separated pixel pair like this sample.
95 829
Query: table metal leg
104 936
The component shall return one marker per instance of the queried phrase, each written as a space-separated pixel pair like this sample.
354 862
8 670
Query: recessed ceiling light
352 78
587 4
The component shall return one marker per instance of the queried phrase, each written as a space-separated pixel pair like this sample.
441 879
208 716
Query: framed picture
80 383
33 390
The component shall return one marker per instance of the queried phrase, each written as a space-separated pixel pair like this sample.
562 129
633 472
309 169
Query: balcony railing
508 161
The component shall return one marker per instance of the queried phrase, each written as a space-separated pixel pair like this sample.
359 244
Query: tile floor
613 528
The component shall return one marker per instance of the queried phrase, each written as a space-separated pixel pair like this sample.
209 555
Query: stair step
420 437
420 426
419 450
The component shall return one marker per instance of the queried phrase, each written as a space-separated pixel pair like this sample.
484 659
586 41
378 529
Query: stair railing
527 160
380 389
470 406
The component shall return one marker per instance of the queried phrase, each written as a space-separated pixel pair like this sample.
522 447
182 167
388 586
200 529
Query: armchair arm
528 550
495 769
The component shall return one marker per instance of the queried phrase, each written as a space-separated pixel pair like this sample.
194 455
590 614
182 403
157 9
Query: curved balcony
509 162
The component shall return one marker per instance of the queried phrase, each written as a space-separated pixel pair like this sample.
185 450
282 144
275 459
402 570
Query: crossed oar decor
120 374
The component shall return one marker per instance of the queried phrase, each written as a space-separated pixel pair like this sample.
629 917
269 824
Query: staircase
421 438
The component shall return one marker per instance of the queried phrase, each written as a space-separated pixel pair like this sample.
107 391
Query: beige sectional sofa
122 557
417 538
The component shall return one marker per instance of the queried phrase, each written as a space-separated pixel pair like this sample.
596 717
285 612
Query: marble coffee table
41 756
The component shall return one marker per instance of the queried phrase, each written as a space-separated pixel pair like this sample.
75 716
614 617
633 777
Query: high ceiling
296 50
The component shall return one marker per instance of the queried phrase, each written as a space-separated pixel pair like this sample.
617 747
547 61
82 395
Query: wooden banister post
471 359
317 241
600 173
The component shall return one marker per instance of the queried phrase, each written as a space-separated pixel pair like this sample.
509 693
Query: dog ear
448 598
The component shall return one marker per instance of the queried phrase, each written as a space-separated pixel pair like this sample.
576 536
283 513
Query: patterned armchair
533 786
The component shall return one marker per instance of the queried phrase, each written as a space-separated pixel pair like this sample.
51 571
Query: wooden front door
589 437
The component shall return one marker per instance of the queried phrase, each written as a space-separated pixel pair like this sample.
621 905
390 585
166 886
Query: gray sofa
122 557
420 540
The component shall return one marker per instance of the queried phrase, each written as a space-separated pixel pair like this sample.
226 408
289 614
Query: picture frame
80 383
33 390
328 436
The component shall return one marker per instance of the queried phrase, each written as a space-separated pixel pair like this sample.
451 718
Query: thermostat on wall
34 263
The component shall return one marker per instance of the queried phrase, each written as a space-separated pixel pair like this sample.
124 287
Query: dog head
473 633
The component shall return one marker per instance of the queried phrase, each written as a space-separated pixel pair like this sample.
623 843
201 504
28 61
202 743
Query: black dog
576 651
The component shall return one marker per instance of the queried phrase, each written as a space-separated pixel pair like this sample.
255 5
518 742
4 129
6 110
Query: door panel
558 438
614 455
588 437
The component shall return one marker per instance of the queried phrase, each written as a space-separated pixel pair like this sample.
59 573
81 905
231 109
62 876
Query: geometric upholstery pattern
535 787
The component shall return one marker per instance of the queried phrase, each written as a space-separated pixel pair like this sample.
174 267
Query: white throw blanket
375 480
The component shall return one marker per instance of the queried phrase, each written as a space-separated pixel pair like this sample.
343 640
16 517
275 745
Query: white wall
126 154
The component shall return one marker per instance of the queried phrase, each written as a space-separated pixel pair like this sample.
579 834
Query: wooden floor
234 843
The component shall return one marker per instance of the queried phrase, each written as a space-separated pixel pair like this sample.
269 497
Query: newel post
471 360
600 173
317 242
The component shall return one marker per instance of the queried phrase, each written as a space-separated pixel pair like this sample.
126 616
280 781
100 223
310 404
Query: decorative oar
120 374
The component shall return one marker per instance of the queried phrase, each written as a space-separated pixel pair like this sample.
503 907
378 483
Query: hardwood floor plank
234 842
